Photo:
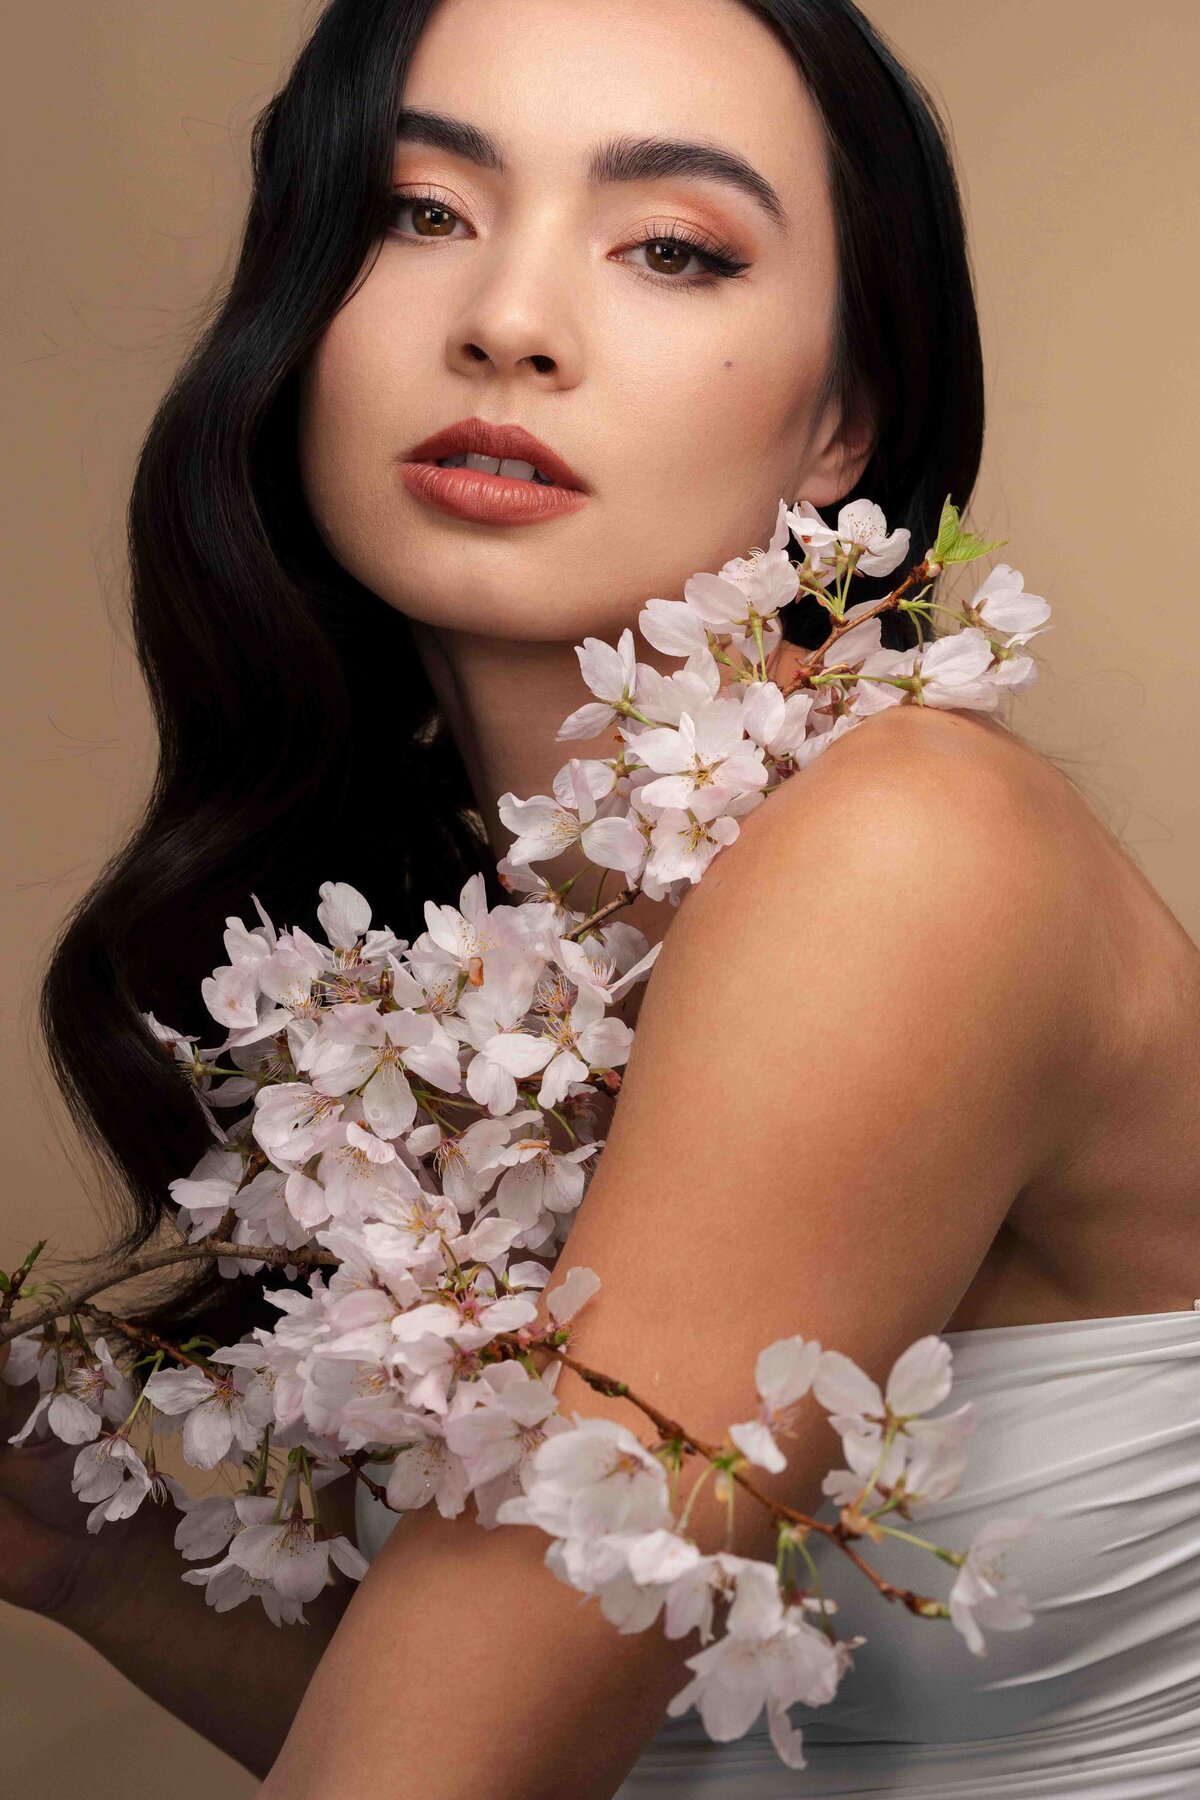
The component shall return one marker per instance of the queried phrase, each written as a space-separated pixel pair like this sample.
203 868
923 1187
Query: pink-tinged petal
490 1085
662 1556
231 994
607 1043
669 791
856 646
388 1102
564 1301
519 1053
349 1560
785 1370
763 711
719 603
920 1376
673 627
72 1421
603 668
1015 672
414 1475
755 1441
207 1435
663 749
959 658
561 1071
842 1387
614 843
787 1739
343 913
585 722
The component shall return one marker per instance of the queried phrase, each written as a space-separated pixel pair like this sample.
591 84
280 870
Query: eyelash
721 262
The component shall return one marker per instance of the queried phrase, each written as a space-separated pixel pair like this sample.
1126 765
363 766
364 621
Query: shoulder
892 923
921 840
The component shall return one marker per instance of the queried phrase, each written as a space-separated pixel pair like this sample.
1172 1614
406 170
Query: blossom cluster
700 752
411 1128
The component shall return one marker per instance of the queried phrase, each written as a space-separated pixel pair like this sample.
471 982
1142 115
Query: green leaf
33 1256
954 545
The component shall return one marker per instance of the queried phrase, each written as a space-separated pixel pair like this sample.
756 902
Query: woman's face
682 399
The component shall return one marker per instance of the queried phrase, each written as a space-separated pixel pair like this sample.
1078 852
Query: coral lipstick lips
488 499
541 486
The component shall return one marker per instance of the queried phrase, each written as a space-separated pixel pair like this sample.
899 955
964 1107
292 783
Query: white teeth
495 465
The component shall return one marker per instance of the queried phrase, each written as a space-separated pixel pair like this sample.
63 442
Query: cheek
717 442
351 417
727 408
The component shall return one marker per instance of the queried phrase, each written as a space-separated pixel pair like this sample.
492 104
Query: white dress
1095 1425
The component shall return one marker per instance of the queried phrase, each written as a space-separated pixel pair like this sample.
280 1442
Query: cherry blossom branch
139 1334
12 1284
148 1260
516 1344
922 1604
811 664
624 898
354 1464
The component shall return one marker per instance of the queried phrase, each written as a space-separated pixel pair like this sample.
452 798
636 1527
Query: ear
840 450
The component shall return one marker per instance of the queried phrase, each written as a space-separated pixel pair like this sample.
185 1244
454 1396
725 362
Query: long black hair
251 636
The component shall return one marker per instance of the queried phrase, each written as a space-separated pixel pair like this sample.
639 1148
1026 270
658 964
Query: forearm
234 1677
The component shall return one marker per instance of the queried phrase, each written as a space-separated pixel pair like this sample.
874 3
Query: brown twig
813 664
148 1260
372 1487
139 1334
921 1604
611 906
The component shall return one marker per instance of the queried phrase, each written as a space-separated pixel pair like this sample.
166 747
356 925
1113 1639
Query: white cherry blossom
226 1586
953 671
861 526
708 750
215 1415
287 1553
1003 605
612 676
465 937
570 1044
981 1594
783 1374
111 1478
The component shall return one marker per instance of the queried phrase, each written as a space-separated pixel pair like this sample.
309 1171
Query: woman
965 1021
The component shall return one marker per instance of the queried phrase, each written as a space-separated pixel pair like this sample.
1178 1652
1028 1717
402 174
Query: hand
46 1551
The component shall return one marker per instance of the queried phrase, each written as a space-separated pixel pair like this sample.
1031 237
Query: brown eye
671 252
438 218
431 218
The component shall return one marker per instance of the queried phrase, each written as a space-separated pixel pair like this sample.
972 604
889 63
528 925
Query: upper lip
504 441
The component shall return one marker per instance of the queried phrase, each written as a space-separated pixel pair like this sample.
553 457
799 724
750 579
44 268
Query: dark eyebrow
616 159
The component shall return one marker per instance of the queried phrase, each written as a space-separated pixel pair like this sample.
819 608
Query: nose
522 315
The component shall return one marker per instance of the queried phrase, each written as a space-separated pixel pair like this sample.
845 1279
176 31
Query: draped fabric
1093 1425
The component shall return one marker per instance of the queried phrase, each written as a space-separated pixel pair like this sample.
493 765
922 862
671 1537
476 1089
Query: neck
503 699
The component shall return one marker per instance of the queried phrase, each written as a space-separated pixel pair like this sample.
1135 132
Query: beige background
123 179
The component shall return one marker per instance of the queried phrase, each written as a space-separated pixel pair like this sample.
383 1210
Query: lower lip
489 499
